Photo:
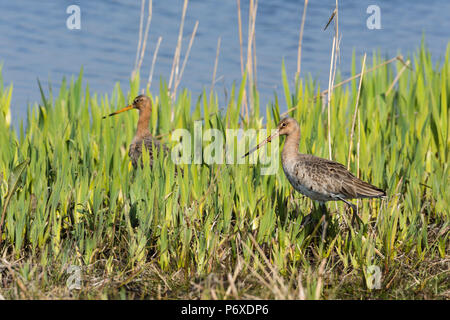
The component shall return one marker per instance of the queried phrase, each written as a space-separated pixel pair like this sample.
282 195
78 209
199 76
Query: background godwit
143 135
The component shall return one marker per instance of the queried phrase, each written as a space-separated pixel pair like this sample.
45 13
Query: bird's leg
323 208
308 218
324 229
355 215
325 221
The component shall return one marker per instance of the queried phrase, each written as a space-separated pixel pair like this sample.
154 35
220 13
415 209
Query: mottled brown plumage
143 135
135 150
317 178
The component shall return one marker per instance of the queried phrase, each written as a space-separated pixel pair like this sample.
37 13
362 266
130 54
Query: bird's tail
366 190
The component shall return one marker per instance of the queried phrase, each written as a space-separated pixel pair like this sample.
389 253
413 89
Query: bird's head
141 103
285 127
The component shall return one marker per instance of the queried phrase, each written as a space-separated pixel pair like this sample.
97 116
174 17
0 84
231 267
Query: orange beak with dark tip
268 139
120 111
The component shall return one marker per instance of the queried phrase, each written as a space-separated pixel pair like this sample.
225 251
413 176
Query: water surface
37 44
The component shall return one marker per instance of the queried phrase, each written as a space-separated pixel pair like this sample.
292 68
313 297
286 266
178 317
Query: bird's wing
334 178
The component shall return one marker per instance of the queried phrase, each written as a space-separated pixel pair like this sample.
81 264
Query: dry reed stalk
280 289
251 31
240 36
16 279
244 99
338 40
191 41
356 111
232 280
141 24
299 52
142 43
150 76
216 62
272 268
147 27
397 77
324 92
320 280
330 92
255 75
301 290
176 57
335 54
357 151
399 57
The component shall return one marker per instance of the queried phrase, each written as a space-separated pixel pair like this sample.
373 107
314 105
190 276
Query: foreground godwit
317 178
143 135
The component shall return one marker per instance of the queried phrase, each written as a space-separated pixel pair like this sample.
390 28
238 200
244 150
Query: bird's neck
291 144
144 119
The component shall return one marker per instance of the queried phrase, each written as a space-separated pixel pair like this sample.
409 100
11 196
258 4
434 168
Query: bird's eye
283 125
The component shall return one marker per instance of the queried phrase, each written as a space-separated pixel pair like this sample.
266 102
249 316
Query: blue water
35 42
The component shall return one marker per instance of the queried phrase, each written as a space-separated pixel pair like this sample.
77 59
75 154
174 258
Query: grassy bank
69 196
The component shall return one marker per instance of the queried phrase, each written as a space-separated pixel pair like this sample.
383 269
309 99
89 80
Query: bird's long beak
120 111
268 139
